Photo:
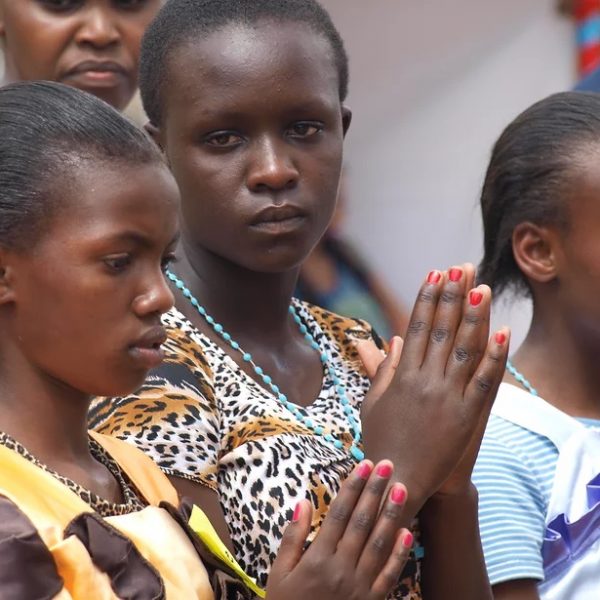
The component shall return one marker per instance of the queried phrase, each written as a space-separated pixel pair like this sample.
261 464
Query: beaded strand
520 378
319 430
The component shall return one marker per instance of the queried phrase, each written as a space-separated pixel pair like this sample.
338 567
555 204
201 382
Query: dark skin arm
453 518
520 589
208 501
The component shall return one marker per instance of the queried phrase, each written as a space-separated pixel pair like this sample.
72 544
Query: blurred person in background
337 278
92 45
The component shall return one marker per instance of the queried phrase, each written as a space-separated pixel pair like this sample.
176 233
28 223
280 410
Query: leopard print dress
201 417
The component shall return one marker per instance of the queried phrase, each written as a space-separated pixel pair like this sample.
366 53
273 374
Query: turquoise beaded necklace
520 378
355 450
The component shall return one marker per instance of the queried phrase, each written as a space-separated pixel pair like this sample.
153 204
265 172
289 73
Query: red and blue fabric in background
587 18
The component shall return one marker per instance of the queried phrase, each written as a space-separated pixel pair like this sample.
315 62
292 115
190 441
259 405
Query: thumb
385 370
291 548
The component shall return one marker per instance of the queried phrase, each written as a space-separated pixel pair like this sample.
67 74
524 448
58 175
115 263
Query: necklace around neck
355 450
520 378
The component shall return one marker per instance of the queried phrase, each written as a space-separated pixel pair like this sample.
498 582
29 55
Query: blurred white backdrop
433 83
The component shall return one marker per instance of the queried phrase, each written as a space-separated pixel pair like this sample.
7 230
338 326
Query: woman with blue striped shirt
540 458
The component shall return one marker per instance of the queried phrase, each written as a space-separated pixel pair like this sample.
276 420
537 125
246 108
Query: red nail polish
475 298
398 495
500 338
408 539
384 470
455 274
364 470
297 512
434 277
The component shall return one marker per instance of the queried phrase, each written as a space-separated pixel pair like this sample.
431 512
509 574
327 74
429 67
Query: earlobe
535 250
346 119
154 132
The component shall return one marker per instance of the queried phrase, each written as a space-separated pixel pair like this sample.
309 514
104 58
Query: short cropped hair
45 130
180 21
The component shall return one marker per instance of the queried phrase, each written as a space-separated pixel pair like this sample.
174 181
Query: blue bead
210 320
348 410
308 423
267 379
341 390
275 389
218 328
357 453
235 345
303 329
247 357
258 370
180 284
319 430
338 444
297 319
282 398
291 310
329 437
344 400
314 345
226 336
195 302
337 381
324 357
201 310
187 293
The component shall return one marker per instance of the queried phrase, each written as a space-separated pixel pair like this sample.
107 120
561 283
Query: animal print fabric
201 417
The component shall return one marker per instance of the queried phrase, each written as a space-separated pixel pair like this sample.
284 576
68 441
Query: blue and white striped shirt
514 476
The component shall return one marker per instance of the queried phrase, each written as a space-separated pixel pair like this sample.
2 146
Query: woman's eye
167 261
223 139
130 4
117 263
305 129
60 5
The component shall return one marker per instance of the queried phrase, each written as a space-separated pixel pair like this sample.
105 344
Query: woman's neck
46 416
561 365
251 306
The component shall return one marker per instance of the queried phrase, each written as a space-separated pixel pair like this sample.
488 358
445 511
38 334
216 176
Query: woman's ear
346 119
154 132
7 293
536 248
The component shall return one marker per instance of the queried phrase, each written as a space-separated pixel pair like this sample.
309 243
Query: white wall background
433 84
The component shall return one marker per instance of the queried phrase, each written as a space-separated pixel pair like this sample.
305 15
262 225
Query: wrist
458 499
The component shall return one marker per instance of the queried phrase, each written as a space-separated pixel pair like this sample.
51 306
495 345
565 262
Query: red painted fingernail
364 470
398 495
384 470
434 277
455 274
408 539
475 298
500 338
297 512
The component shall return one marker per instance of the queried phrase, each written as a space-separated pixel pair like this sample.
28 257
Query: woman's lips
278 219
96 74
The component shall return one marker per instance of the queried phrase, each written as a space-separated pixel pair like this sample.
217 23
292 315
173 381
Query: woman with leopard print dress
262 399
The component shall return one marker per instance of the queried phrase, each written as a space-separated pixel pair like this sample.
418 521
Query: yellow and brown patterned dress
199 416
